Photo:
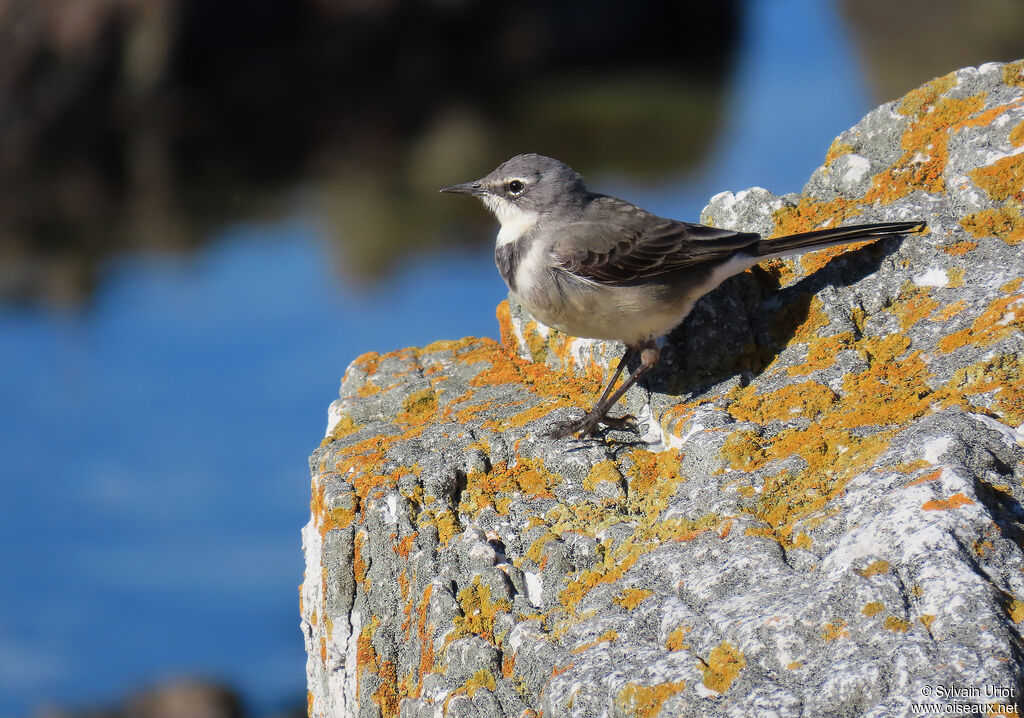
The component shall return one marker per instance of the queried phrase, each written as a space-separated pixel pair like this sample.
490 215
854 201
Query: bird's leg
626 356
586 426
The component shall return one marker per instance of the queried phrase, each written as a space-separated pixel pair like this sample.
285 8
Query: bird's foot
588 425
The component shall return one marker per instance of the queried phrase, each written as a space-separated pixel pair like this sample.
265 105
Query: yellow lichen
836 150
896 625
835 630
646 701
1013 73
600 472
478 611
418 408
1001 376
676 639
870 609
874 568
342 428
633 597
915 101
481 679
1015 610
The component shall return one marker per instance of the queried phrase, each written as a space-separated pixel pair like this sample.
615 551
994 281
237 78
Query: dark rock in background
133 124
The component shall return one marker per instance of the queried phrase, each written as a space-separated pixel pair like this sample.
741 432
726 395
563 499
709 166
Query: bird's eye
515 187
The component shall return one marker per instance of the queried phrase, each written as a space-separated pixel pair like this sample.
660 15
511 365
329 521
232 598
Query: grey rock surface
821 513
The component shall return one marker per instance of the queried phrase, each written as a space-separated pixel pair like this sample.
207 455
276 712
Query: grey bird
599 267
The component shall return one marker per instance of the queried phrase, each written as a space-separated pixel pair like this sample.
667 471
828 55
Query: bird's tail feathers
822 238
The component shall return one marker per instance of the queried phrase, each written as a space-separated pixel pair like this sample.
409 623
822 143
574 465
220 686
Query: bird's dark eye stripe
515 186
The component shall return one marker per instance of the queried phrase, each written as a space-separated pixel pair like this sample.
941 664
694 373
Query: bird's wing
624 244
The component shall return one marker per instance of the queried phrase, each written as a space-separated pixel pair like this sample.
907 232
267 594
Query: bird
599 267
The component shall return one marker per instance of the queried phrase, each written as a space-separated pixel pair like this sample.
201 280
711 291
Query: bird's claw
588 426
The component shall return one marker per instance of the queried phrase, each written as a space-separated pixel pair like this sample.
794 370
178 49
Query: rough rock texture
821 514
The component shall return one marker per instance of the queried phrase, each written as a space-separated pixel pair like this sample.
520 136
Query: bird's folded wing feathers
617 253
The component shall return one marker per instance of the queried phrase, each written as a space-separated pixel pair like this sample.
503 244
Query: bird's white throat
515 221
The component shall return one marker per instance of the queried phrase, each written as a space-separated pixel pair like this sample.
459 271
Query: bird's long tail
819 239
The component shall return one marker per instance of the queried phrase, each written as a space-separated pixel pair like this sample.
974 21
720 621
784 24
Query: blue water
153 448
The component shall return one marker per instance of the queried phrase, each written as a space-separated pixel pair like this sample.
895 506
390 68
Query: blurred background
208 208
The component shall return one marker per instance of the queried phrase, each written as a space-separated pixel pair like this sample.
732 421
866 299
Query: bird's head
526 187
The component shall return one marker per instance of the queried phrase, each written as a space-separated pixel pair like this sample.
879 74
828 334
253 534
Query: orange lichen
870 609
953 502
874 569
835 630
358 564
633 597
959 248
676 639
1002 376
949 311
926 619
809 214
386 696
367 363
809 399
646 701
1002 318
1012 286
606 637
652 475
368 389
527 476
722 667
803 541
1003 179
821 353
930 476
1016 136
933 120
1007 223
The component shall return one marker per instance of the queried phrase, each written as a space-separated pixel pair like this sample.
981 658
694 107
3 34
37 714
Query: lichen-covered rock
822 515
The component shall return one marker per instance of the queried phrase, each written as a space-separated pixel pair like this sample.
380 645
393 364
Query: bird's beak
473 187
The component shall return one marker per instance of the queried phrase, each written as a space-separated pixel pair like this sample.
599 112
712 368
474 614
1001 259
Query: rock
821 517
